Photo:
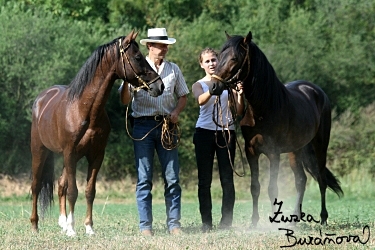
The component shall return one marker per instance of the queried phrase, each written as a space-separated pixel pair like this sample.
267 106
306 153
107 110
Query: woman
210 138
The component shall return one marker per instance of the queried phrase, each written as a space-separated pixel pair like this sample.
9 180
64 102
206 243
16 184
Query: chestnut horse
71 120
293 118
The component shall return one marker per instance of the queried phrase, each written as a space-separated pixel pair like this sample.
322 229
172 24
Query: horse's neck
267 93
96 94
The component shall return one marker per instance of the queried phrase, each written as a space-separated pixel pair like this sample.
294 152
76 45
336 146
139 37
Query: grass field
116 223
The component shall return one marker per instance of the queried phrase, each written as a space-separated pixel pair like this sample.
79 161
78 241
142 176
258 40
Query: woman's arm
199 95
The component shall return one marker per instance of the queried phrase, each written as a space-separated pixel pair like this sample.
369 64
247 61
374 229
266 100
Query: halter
233 80
140 80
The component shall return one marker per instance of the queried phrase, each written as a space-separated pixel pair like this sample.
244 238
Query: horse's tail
333 183
310 164
48 178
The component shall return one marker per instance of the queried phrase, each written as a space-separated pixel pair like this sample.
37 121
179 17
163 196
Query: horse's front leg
71 191
92 173
252 146
274 173
296 163
253 158
255 190
62 189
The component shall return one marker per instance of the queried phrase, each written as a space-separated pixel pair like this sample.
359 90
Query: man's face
159 50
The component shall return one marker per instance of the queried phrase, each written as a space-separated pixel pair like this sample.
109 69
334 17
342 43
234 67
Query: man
148 112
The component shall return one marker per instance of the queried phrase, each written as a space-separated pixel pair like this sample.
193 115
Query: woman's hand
239 88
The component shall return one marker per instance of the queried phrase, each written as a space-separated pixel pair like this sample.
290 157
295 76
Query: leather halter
140 80
234 79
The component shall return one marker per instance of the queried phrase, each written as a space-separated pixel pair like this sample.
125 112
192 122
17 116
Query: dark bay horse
293 118
71 120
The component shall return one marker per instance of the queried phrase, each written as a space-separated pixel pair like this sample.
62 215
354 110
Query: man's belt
157 118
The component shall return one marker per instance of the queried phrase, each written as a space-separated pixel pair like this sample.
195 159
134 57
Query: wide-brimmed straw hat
157 35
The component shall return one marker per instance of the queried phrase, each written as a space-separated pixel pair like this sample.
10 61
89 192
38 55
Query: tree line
330 43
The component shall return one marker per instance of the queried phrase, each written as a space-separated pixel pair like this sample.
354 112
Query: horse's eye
138 57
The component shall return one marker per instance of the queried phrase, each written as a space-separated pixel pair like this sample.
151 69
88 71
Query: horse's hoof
89 230
71 233
253 226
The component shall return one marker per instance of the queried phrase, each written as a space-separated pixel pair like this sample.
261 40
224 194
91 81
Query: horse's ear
135 35
248 37
129 37
228 36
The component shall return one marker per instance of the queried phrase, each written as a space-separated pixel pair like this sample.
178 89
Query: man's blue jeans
144 155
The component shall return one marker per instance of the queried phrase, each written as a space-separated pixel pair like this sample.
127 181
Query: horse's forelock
235 43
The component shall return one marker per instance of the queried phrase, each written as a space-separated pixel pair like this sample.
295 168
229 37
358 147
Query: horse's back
312 103
308 90
48 98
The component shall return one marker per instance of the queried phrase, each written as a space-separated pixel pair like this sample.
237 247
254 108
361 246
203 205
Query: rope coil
170 132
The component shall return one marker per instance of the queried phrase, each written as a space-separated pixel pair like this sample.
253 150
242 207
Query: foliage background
330 43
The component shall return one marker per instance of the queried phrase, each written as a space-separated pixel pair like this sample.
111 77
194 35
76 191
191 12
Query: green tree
149 13
35 53
83 10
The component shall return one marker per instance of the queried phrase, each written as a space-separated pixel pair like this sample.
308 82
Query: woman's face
208 63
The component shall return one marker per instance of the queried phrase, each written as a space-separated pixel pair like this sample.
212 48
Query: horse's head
234 62
136 69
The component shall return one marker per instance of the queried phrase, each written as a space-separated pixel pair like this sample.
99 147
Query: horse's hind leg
300 179
36 185
321 158
319 150
95 163
39 156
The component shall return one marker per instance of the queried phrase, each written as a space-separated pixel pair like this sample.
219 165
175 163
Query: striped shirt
175 86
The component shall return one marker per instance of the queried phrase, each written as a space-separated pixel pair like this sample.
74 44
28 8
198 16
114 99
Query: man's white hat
157 35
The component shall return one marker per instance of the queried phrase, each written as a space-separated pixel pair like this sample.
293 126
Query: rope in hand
219 115
170 132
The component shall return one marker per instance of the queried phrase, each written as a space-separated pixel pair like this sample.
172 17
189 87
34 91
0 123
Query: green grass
116 220
116 225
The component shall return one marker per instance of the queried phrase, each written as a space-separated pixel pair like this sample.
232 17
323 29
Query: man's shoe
147 232
175 231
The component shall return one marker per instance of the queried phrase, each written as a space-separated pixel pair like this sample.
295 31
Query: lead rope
170 132
127 129
231 108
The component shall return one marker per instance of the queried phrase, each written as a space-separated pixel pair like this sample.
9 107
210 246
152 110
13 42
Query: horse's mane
262 87
87 71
